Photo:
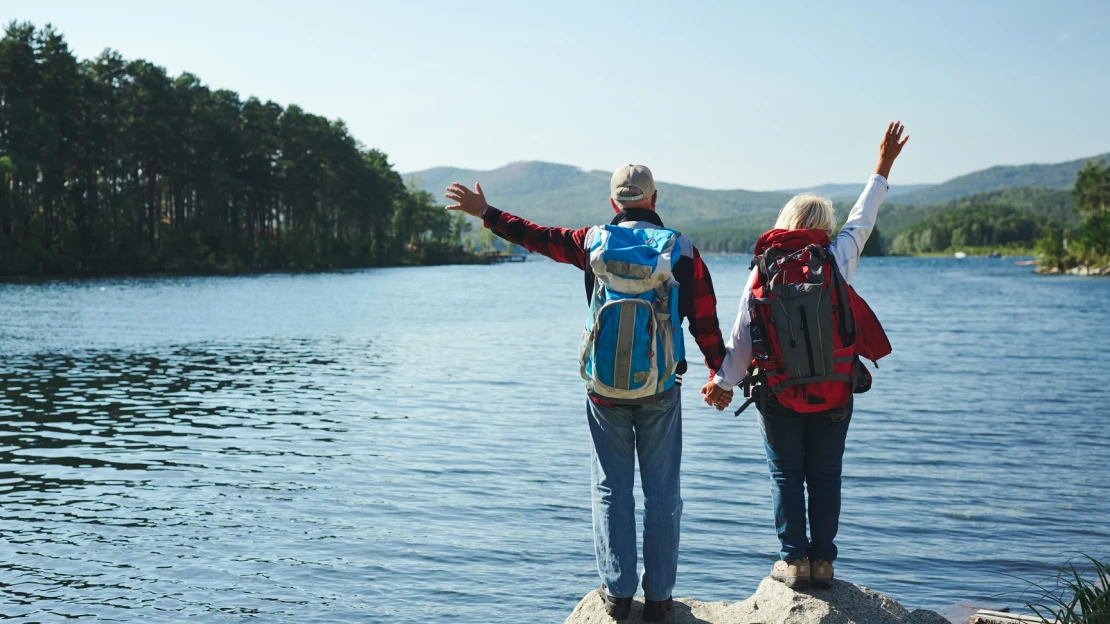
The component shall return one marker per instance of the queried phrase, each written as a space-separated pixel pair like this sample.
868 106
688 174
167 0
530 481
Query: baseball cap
631 183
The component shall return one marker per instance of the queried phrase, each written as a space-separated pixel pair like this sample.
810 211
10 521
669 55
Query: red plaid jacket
697 301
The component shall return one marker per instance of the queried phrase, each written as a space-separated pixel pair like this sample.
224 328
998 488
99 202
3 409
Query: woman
804 397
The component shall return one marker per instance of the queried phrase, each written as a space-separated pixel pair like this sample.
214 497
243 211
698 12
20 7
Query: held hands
716 396
890 147
471 202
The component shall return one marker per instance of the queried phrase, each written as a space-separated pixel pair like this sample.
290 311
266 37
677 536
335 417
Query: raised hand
890 147
471 202
716 396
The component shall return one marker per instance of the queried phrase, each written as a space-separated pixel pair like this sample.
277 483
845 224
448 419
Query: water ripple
411 444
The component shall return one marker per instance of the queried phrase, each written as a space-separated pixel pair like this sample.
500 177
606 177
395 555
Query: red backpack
806 337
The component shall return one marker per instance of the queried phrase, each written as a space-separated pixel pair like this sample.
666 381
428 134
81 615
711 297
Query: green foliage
1051 250
1092 189
487 240
1092 240
1088 243
972 226
1076 596
725 239
1054 205
112 166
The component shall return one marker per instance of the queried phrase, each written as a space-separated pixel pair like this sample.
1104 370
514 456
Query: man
621 430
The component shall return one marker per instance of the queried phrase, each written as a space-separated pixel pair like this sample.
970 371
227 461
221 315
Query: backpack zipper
805 335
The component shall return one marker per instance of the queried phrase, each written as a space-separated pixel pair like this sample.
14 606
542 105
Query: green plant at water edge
1075 598
1050 249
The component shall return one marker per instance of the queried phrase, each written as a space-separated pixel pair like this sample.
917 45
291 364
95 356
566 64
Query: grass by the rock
1075 595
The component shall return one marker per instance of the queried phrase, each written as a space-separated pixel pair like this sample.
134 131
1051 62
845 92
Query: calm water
411 445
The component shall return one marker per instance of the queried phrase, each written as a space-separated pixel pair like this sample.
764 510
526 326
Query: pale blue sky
754 95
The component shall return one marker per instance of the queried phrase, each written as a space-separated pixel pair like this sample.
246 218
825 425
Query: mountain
849 192
571 197
730 220
1057 176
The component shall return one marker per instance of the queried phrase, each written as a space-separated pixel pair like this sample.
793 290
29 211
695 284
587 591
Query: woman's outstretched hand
891 147
471 202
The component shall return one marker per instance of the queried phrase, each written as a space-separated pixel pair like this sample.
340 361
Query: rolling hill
571 197
1059 176
849 192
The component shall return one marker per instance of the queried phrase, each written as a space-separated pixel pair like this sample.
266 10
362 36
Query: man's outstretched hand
471 202
716 396
891 147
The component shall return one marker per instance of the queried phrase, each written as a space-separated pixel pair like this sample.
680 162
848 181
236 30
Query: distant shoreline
1082 270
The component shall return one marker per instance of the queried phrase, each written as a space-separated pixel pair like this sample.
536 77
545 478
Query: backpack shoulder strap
844 309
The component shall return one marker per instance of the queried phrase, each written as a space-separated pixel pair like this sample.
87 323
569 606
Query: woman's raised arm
861 220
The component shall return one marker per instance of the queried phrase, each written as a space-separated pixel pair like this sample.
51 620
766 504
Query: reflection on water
106 454
411 445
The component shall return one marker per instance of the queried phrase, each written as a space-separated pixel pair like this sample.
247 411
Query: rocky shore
775 603
1079 270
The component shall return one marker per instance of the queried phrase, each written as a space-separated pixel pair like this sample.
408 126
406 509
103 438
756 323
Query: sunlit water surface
410 445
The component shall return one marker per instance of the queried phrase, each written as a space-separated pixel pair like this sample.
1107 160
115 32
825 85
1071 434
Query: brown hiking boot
821 574
795 573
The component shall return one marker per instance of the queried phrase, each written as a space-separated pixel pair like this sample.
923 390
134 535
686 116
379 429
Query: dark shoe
617 608
654 610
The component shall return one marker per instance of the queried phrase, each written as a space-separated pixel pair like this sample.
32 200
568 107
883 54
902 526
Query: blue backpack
633 339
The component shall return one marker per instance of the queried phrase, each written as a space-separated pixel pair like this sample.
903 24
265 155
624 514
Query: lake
411 445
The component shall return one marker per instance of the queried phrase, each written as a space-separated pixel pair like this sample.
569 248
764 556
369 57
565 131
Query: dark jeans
806 451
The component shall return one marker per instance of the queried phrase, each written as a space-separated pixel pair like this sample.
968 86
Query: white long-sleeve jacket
845 248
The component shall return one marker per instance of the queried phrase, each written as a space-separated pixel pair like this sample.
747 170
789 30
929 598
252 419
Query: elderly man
635 270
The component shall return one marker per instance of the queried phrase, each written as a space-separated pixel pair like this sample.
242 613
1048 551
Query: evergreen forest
111 166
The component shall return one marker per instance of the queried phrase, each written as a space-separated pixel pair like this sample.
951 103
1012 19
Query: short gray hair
808 212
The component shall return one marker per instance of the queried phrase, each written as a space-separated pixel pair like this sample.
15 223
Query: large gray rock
775 603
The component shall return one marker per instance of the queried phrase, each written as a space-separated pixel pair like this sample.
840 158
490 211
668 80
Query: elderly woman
795 346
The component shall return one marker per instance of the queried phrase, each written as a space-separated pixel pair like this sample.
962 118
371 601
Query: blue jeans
806 451
620 433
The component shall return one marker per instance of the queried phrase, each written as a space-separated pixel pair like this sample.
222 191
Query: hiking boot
654 610
794 574
617 608
821 574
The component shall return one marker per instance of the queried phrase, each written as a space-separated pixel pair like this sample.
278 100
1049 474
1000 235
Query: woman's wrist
883 168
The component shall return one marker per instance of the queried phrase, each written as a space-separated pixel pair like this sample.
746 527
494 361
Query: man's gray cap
631 183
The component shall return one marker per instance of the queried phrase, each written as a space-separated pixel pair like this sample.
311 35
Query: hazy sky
754 95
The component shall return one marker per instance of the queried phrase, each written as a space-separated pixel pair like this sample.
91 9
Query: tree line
112 166
976 226
1087 244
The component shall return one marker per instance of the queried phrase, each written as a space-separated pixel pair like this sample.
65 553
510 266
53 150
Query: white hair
808 212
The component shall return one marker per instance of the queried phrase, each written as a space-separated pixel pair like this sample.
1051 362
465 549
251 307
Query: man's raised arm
560 244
